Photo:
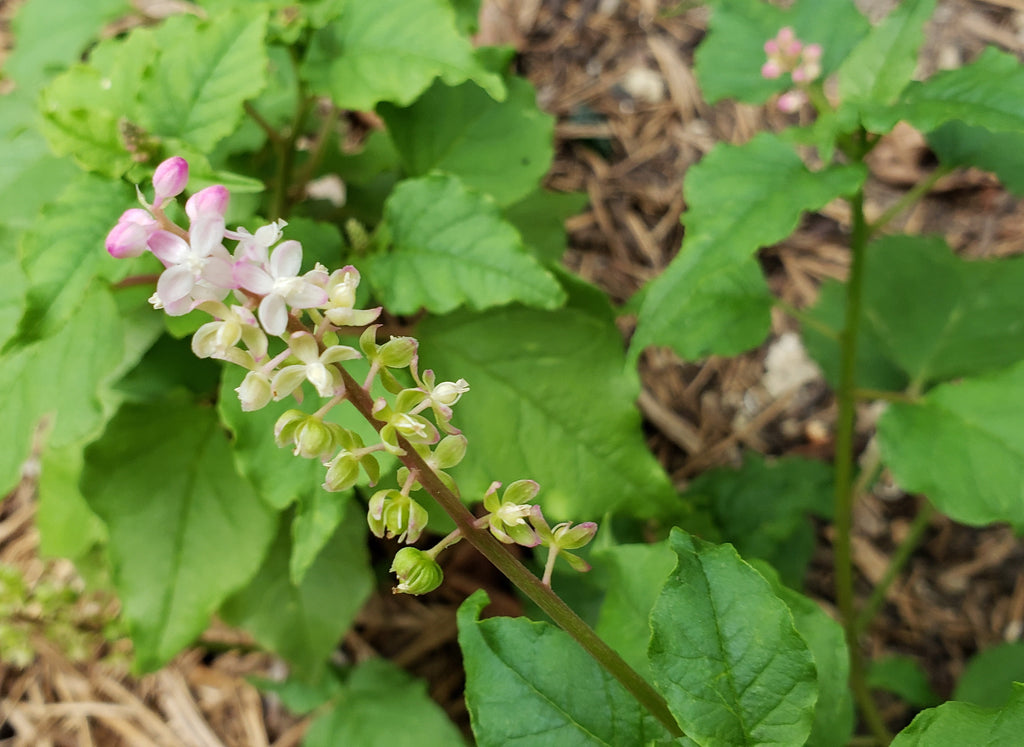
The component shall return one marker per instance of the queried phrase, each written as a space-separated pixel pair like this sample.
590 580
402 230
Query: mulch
618 76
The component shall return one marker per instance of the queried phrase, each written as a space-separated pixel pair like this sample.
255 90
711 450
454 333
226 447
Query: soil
618 76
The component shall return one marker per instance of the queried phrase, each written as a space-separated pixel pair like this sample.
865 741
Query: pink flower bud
128 238
812 52
791 101
800 75
771 47
771 70
785 35
793 48
169 179
210 200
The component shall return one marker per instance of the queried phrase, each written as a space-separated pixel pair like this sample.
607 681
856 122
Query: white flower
315 367
279 285
215 338
197 270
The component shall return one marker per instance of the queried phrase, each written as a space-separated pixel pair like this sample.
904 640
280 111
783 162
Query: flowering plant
239 472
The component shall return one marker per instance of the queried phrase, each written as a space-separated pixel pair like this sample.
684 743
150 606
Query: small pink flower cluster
787 54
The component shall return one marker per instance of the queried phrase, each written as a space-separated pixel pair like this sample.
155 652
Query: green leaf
987 93
550 400
712 298
68 528
834 711
880 67
726 680
84 109
729 60
502 148
763 507
303 622
205 71
963 723
373 53
989 676
962 445
319 514
12 292
186 530
928 316
451 247
958 144
529 683
540 219
63 254
30 175
67 377
902 676
52 34
636 575
382 706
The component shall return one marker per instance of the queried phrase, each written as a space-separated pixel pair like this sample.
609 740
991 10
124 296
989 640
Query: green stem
918 191
844 464
518 573
882 394
899 560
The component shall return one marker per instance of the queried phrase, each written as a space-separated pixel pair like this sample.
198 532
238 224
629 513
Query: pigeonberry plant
365 329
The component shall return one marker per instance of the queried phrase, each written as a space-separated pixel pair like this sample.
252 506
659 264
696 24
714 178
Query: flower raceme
787 54
282 326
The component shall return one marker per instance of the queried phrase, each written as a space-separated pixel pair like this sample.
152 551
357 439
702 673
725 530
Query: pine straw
618 75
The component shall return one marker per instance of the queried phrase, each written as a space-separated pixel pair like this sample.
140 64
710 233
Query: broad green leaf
186 530
989 676
966 724
63 254
502 148
373 52
903 676
883 63
451 247
763 509
550 400
30 175
987 93
12 292
529 683
540 219
958 144
87 110
467 16
68 528
49 35
382 706
68 378
636 575
205 71
928 316
962 445
725 652
834 711
729 61
303 622
712 298
318 516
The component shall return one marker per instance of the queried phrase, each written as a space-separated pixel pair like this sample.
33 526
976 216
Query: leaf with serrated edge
451 247
502 148
962 445
515 661
725 653
927 313
712 298
987 93
882 64
198 88
372 53
966 724
531 411
185 529
957 144
303 622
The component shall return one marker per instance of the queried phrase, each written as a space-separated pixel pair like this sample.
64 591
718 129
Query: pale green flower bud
312 437
397 352
417 572
254 392
392 514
